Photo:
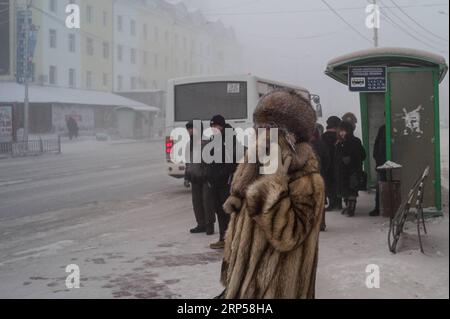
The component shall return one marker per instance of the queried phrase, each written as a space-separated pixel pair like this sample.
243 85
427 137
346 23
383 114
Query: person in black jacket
330 139
349 158
218 178
321 151
379 155
194 175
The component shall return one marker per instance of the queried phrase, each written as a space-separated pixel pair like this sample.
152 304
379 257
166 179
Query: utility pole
375 29
26 104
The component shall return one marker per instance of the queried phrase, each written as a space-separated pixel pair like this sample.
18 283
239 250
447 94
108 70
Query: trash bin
390 198
390 190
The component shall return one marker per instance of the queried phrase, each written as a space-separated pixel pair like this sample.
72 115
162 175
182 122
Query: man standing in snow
218 177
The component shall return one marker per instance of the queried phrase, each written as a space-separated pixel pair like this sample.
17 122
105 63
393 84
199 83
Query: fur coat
271 244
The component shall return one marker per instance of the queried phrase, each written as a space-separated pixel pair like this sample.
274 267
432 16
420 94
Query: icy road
111 209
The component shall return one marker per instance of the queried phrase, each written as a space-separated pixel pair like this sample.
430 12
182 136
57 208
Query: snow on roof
379 52
393 57
11 92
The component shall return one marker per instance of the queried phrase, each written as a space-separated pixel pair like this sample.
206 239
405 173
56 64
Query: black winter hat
333 122
218 120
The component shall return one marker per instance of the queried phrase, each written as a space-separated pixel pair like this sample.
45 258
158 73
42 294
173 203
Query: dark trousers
215 197
198 203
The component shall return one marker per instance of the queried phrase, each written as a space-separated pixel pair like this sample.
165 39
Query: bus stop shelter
399 88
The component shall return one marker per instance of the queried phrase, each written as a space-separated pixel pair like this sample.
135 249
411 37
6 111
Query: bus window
204 100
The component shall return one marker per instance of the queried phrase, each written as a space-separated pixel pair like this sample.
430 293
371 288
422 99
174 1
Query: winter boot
323 226
218 245
374 213
351 208
198 230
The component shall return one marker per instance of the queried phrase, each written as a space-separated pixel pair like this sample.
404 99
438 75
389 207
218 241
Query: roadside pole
26 104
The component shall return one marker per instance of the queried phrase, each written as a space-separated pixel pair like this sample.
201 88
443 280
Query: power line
345 21
394 23
417 23
406 24
317 10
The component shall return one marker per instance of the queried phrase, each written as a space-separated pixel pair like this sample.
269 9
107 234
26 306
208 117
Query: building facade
121 46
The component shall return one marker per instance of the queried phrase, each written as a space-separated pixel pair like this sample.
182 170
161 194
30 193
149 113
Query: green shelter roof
390 57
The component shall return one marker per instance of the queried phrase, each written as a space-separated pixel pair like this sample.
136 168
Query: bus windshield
204 100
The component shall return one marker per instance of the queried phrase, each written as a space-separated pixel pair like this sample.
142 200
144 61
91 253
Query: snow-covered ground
139 246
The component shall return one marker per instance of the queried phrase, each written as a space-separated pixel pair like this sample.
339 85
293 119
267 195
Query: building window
72 79
52 77
72 42
89 46
155 61
145 31
105 79
166 36
53 6
105 50
119 83
133 56
119 53
52 38
119 23
132 27
133 83
89 14
89 79
156 34
105 18
145 58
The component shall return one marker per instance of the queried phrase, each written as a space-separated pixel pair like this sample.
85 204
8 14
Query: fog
292 40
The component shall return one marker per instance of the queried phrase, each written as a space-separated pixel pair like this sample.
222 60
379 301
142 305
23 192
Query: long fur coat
271 245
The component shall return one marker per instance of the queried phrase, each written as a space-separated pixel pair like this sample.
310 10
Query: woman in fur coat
271 245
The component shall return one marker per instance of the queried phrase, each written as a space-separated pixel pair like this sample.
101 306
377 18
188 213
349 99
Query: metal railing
32 147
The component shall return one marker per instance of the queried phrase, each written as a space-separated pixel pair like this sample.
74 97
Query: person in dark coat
349 158
321 151
330 139
379 155
72 127
218 177
194 175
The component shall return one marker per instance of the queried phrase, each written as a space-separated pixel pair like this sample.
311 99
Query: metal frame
437 134
365 129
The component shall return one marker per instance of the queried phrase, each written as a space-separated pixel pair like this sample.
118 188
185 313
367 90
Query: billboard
6 124
4 37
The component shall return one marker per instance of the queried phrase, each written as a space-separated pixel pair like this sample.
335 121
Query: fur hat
346 126
287 110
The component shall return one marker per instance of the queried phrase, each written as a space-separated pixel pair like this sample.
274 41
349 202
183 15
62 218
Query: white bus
200 98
